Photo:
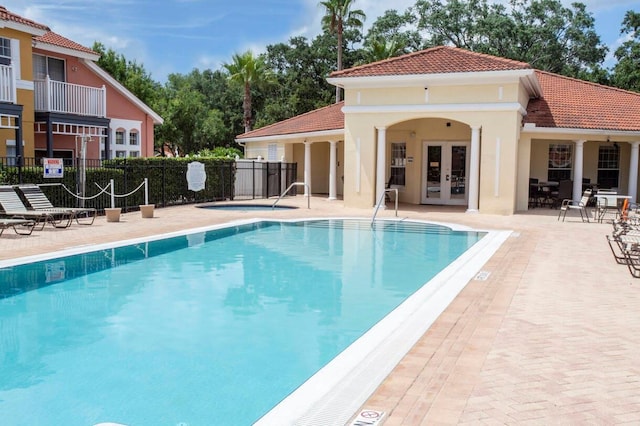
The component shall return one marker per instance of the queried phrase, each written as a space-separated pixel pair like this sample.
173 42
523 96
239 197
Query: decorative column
577 170
333 156
381 165
474 171
633 170
307 168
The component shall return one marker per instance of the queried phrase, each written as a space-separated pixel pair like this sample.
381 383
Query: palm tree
247 70
380 49
338 13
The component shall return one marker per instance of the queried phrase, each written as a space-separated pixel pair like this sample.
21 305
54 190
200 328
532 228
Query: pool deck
551 336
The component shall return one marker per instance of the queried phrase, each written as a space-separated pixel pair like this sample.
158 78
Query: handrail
289 188
375 212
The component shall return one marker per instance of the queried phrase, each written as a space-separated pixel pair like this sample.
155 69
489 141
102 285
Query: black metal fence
243 179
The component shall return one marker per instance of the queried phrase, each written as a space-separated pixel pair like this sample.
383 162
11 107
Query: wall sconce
412 134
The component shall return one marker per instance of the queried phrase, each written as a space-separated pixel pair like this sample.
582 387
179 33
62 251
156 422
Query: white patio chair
580 206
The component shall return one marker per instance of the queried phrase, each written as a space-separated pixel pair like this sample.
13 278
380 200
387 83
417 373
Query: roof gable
436 60
576 104
323 119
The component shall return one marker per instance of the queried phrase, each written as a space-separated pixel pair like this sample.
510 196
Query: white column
474 171
307 168
633 170
577 170
381 164
333 156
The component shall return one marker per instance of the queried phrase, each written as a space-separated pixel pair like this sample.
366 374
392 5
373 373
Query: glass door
445 166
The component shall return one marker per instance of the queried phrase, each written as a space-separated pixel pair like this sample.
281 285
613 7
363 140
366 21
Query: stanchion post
146 191
113 192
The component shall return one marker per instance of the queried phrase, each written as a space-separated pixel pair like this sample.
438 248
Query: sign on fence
53 167
196 176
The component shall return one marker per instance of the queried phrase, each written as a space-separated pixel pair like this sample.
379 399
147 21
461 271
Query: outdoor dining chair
580 206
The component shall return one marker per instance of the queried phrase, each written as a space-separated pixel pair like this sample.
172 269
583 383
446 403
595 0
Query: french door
445 167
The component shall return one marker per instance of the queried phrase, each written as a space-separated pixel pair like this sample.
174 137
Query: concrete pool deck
552 335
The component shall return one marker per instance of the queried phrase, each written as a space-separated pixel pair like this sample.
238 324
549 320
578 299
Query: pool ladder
381 200
308 193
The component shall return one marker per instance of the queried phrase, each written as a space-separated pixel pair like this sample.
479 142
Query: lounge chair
12 206
581 206
38 201
25 224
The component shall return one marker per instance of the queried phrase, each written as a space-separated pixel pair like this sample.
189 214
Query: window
272 152
398 163
119 137
5 51
608 166
121 154
560 162
44 65
11 153
133 138
134 154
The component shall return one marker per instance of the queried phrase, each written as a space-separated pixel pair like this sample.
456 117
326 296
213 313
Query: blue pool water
207 328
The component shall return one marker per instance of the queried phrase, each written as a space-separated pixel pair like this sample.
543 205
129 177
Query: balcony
68 98
7 84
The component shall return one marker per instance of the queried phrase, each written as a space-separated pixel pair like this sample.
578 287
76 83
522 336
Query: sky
176 36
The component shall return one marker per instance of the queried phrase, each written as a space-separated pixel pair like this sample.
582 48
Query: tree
130 74
247 70
338 14
398 27
380 49
626 73
543 33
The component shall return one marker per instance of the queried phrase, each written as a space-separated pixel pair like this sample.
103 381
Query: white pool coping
338 390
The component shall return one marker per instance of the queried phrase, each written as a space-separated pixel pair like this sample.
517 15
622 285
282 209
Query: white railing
7 84
68 98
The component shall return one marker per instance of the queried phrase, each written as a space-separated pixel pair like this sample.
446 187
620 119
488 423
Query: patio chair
581 206
12 206
38 201
25 224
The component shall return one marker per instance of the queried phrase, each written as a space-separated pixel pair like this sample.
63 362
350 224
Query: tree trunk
339 58
246 106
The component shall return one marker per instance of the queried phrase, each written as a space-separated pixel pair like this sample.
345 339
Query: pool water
207 328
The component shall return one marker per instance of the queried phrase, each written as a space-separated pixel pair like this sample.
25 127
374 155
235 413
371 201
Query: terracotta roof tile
60 41
436 60
322 119
6 15
571 103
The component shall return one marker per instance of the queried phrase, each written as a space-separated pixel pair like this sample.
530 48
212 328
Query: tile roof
6 15
565 102
570 103
60 41
436 60
323 119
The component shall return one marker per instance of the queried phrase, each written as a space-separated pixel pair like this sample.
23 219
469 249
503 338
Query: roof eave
66 51
531 128
24 28
438 79
290 136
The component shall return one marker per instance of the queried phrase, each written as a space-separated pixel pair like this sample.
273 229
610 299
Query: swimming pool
219 337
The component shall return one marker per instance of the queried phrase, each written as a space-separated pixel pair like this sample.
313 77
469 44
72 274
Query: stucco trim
324 133
24 84
462 78
433 108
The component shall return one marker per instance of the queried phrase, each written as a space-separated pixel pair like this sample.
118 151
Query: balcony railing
68 98
7 84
